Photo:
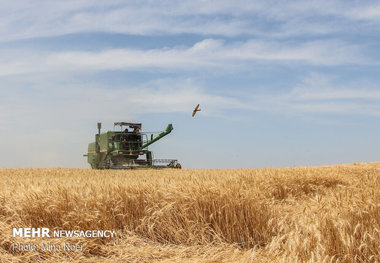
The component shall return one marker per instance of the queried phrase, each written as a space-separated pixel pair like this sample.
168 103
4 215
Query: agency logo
45 232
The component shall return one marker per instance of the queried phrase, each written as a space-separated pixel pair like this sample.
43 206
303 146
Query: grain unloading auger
126 149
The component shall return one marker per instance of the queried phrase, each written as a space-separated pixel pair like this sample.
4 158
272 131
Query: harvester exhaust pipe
99 127
97 139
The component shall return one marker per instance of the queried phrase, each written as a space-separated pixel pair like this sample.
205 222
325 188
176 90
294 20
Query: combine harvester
126 149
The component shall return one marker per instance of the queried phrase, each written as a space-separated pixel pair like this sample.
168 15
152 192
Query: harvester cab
126 148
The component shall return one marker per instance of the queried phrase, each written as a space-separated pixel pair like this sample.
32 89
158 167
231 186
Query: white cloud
209 53
53 102
29 19
321 87
370 13
73 102
322 94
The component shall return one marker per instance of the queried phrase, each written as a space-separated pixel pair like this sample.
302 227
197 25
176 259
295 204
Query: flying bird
195 110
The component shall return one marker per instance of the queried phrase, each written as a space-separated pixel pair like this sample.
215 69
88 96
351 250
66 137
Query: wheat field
302 214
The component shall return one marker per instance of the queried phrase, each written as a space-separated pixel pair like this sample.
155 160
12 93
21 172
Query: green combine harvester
126 149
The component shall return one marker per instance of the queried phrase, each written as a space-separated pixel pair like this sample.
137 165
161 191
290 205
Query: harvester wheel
107 164
178 166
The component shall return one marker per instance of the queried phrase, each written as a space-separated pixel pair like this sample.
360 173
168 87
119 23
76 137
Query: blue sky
280 83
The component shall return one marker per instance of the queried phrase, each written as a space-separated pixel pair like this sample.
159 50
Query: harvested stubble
303 214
